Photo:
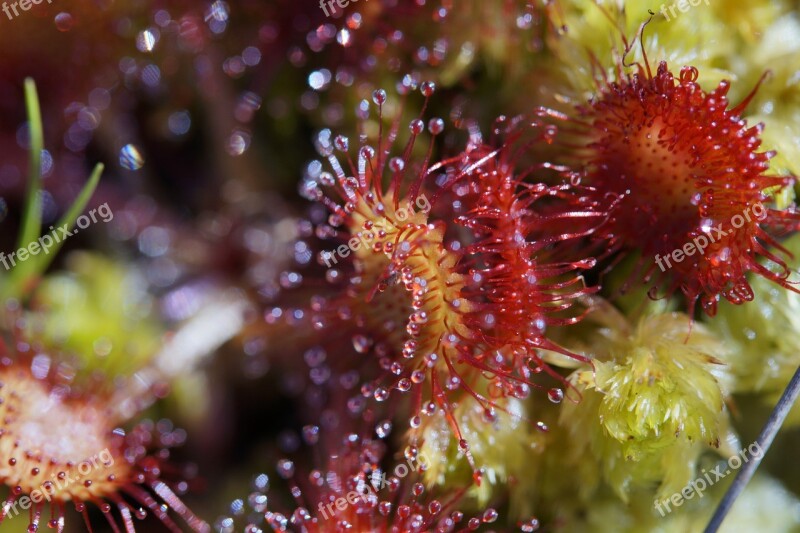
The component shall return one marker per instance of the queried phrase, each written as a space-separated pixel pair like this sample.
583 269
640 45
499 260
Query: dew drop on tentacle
381 394
285 468
362 343
530 525
555 395
64 21
379 97
383 429
436 126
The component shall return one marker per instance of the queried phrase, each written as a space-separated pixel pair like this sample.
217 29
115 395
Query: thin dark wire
764 441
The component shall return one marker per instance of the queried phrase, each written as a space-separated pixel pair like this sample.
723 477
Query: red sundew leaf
680 173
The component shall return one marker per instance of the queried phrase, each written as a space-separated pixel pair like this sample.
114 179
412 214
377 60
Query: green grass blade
26 273
69 218
32 213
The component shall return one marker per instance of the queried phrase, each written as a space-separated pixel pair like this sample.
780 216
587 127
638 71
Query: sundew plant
399 266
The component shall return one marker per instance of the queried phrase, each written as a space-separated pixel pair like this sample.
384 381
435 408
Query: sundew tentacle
353 482
60 443
523 229
355 486
403 248
420 301
438 38
690 186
